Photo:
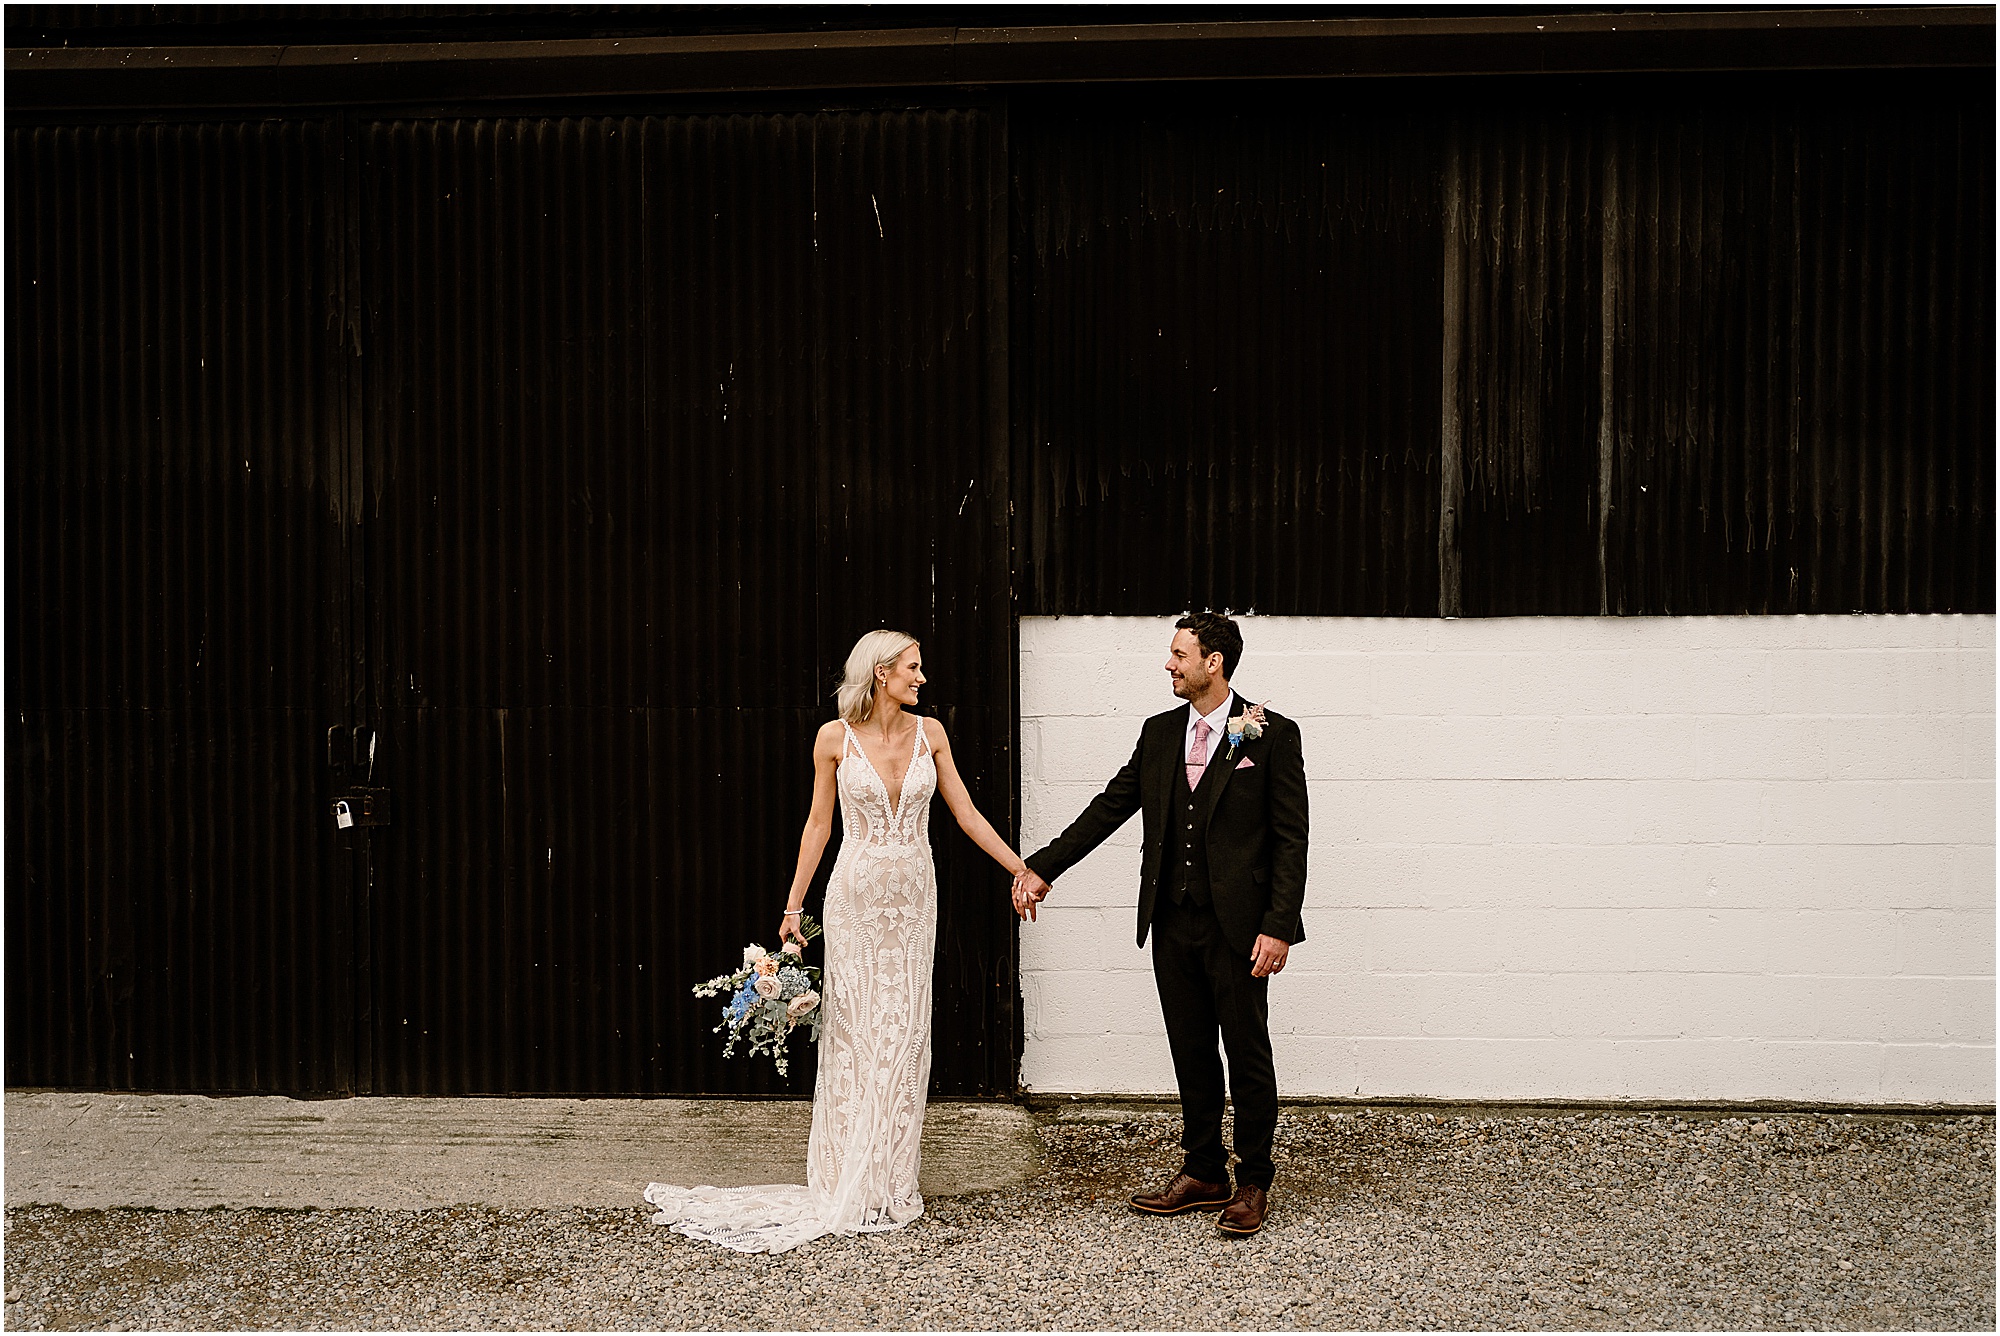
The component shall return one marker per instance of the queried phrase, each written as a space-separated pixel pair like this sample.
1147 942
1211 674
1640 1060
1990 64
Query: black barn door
659 415
179 912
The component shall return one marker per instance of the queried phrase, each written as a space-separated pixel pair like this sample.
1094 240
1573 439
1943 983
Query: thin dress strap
922 740
848 729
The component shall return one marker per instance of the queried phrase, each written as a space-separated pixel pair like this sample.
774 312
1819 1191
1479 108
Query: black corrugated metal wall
1227 377
178 908
1653 346
559 459
574 453
661 413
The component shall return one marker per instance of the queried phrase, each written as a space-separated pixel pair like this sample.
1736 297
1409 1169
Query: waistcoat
1184 868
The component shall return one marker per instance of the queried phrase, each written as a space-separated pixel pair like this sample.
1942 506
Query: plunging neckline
896 802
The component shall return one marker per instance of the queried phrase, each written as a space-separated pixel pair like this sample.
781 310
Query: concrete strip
94 1151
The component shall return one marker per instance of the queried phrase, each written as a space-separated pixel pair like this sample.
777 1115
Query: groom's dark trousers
1223 862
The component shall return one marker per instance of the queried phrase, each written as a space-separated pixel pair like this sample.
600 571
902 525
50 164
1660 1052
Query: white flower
802 1004
768 986
752 954
792 948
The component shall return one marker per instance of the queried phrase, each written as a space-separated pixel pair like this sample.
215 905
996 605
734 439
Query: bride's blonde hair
877 649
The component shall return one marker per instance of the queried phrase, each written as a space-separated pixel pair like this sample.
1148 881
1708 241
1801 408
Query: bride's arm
819 827
960 802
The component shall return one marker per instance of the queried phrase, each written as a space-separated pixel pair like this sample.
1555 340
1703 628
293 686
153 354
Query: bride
881 928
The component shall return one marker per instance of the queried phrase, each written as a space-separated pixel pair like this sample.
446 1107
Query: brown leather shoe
1183 1194
1245 1212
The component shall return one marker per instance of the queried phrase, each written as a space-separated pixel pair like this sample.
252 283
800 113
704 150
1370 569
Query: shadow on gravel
1112 1153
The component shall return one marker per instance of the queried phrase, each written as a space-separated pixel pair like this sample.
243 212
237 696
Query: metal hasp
365 807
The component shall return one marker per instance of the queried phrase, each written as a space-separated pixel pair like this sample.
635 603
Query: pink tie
1198 758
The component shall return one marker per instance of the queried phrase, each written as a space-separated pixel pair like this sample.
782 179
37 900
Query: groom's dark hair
1216 634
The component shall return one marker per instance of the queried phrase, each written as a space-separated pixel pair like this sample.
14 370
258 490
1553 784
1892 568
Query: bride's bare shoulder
933 731
827 741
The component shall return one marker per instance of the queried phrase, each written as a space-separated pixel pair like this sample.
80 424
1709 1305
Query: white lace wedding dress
875 1038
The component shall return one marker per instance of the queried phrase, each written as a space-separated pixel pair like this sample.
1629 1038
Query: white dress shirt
1218 724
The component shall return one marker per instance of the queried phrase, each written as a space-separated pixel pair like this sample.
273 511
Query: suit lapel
1212 784
1167 769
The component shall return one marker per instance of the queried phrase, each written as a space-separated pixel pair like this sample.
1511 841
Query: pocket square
1245 763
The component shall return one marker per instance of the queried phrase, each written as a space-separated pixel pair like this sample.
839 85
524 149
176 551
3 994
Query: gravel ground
1380 1218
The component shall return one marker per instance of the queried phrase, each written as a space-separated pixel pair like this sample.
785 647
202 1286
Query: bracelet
790 912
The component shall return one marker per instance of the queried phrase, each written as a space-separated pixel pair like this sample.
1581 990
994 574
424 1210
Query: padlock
360 809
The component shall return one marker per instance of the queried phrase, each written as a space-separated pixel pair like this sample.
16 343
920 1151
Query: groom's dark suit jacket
1256 824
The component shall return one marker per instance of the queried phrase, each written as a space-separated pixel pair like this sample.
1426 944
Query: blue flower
740 1005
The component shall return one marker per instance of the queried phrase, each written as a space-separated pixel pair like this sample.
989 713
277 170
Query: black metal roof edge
135 25
129 25
1660 41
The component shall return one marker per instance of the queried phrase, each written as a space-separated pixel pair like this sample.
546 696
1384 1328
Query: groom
1223 789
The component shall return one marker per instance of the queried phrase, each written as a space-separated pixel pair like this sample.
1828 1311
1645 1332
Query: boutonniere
1245 727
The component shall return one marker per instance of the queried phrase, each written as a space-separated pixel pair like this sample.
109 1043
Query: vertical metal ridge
1451 431
1610 266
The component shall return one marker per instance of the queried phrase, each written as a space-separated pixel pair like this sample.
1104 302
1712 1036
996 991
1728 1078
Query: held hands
1029 890
1267 957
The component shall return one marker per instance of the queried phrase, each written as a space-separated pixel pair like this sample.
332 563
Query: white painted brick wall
1592 858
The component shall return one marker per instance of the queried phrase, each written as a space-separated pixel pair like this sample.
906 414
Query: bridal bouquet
769 996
